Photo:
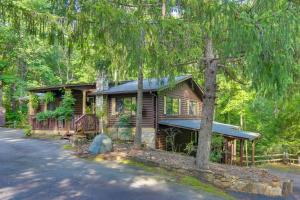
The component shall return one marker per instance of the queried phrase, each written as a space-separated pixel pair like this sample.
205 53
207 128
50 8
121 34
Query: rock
101 144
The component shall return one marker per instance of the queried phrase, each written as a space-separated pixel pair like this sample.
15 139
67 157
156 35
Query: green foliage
216 148
65 110
257 43
42 116
190 148
27 131
16 119
49 97
124 120
35 101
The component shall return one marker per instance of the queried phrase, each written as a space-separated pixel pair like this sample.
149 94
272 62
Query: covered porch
235 141
83 119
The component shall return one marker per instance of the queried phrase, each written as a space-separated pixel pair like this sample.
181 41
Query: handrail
77 120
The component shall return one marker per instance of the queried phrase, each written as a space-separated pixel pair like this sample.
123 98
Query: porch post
241 151
225 150
246 148
253 153
234 150
83 102
30 108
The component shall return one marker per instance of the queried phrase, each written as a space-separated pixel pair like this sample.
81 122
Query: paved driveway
42 170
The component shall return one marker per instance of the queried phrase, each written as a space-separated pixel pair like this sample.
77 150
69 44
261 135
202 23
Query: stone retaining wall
248 182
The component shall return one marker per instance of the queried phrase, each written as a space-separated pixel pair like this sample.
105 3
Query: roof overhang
79 86
218 128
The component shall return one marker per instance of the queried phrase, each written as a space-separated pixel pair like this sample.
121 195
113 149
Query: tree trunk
139 113
163 8
1 93
205 132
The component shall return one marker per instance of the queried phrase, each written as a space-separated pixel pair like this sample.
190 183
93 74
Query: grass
180 178
197 184
282 167
68 147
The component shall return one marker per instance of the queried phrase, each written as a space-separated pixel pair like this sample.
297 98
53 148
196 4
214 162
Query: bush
63 112
27 131
49 97
41 116
34 100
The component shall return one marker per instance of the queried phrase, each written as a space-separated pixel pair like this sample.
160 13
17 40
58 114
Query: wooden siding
186 93
77 94
148 111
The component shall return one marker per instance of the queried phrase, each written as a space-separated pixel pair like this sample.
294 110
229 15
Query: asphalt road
42 170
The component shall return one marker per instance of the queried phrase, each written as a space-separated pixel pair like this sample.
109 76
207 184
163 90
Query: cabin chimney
101 100
101 81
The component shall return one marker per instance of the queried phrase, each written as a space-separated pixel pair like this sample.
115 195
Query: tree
257 36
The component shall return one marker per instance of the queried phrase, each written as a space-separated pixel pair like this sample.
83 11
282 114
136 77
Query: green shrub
34 100
49 97
124 120
190 148
27 131
63 112
42 116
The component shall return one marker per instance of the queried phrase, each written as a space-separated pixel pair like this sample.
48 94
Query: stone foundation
148 135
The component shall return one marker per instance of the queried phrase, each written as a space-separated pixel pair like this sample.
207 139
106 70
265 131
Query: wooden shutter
113 106
165 105
133 102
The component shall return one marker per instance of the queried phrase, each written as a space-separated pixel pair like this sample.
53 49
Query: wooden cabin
174 105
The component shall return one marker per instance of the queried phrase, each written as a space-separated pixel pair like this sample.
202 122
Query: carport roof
219 128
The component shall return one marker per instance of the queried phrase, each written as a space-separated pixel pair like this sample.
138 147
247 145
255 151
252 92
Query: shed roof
219 128
152 84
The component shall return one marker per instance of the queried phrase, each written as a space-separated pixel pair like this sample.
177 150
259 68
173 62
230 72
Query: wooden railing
52 124
274 158
86 123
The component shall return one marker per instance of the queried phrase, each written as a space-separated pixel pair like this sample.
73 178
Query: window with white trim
172 105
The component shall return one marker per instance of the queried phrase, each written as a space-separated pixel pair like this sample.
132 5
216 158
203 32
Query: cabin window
172 105
125 105
192 105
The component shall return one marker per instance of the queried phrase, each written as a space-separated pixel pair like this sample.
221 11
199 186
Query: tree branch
231 75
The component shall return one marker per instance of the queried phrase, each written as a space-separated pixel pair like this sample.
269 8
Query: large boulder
101 144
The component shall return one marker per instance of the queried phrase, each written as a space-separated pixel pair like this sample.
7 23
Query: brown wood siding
183 91
77 94
148 111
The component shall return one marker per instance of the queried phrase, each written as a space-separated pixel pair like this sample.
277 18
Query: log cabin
171 114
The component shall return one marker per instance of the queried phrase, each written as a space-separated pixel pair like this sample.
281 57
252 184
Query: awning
218 128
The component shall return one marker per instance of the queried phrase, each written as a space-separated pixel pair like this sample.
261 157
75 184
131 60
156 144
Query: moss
68 147
197 184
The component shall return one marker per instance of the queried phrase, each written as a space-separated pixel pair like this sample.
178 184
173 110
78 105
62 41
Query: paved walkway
33 169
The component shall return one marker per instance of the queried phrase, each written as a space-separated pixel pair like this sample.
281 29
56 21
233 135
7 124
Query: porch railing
88 122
